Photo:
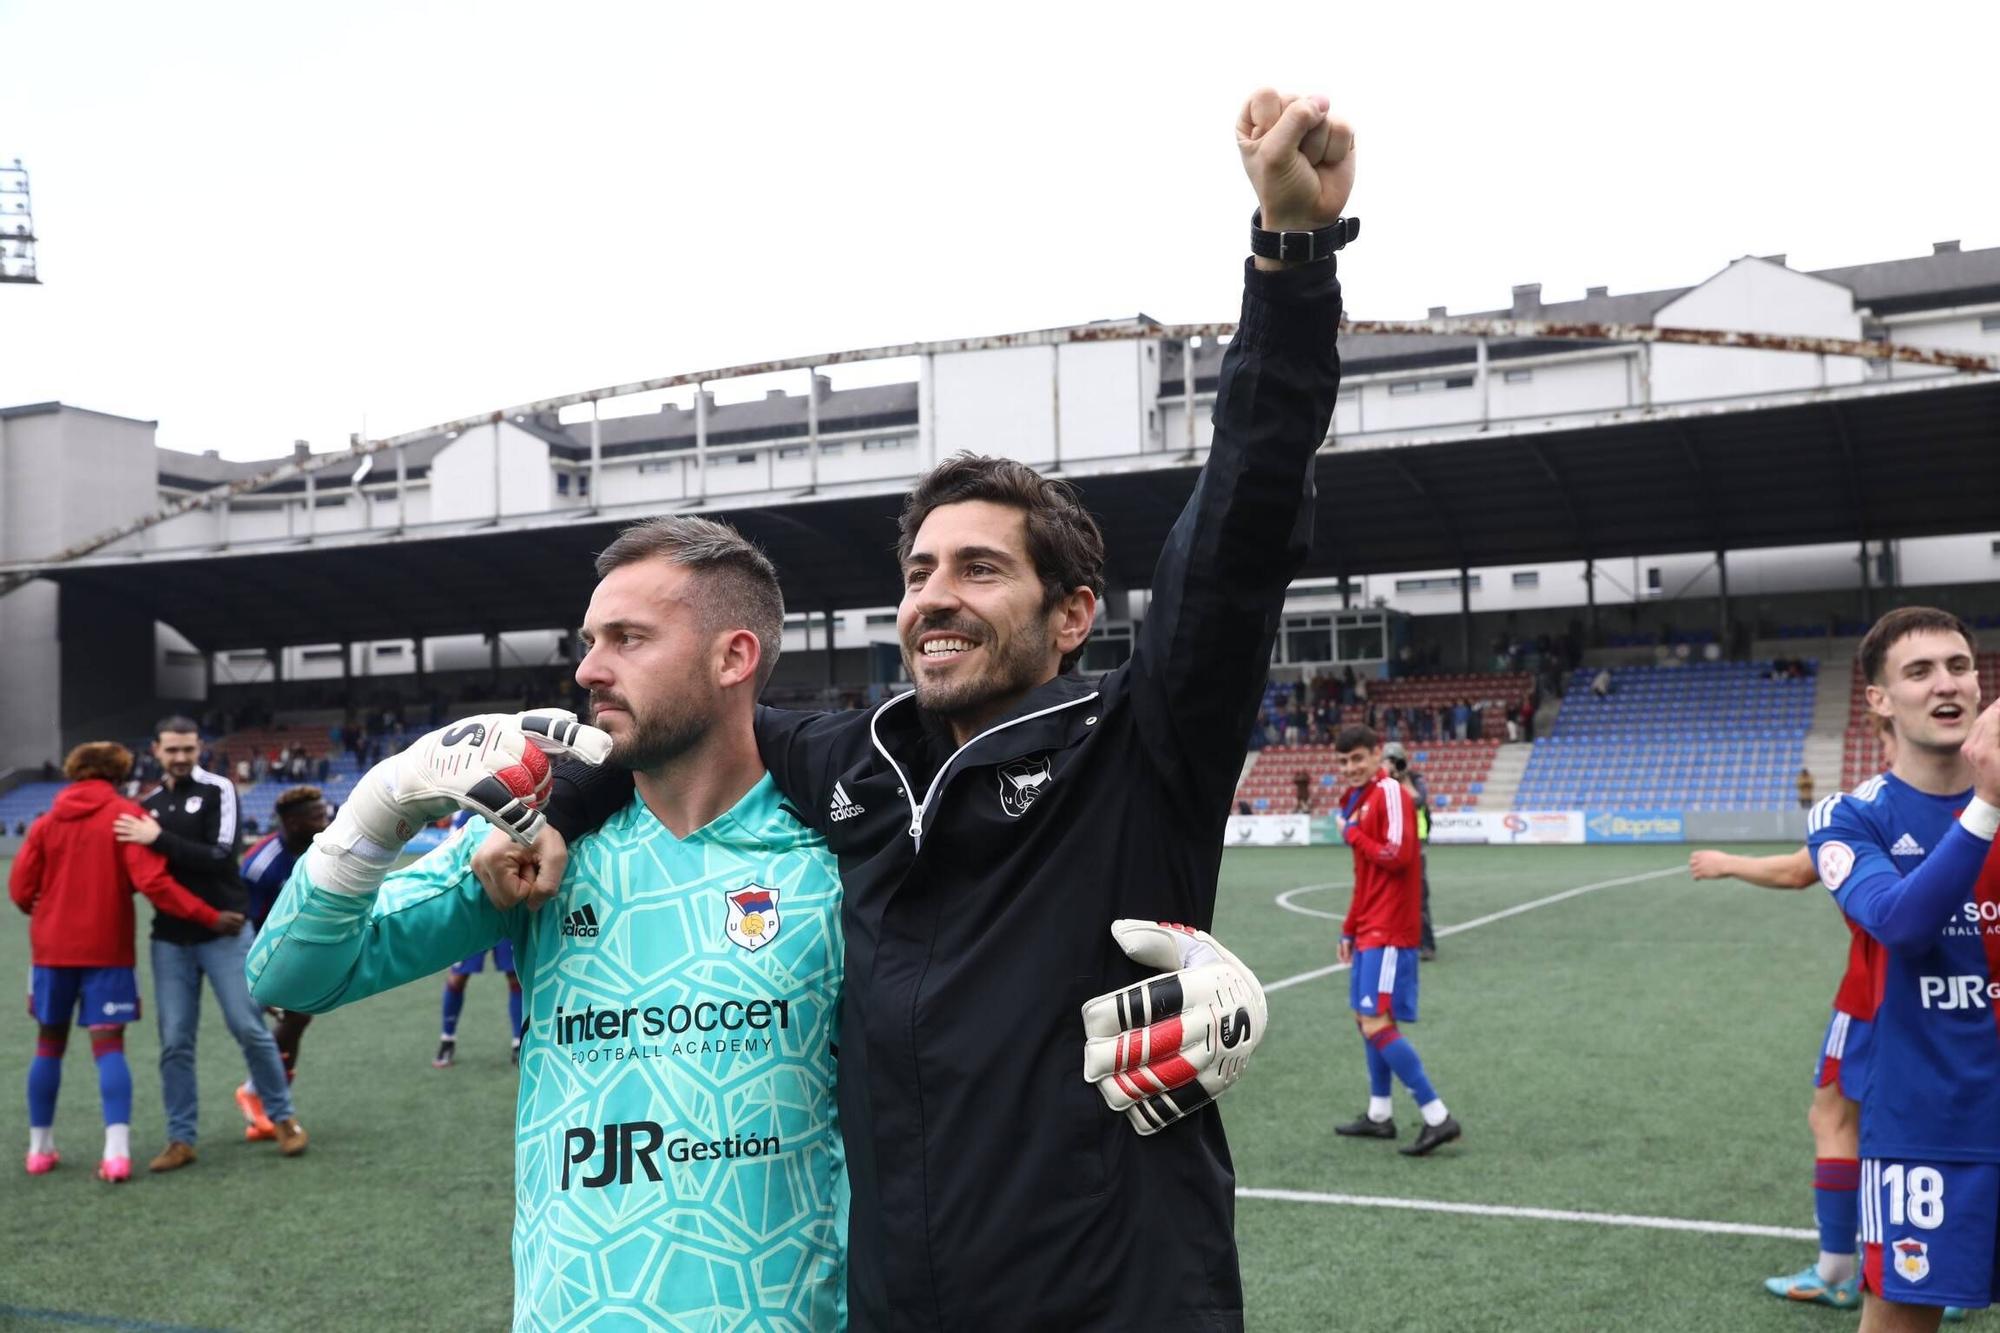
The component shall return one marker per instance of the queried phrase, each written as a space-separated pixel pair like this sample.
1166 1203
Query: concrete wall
1755 296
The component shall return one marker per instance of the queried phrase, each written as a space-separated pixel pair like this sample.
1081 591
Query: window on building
583 483
792 451
1527 578
1653 583
562 483
388 650
1361 643
878 619
1996 546
1443 583
886 442
1989 323
1404 386
1517 376
1431 386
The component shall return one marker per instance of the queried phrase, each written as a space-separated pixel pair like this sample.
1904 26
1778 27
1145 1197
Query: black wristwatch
1300 247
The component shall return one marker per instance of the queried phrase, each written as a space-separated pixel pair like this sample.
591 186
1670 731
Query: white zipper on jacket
917 807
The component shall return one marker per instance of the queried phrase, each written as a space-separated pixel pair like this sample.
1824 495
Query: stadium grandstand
1548 490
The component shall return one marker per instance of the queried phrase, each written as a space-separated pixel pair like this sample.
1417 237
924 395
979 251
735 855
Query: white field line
1533 1214
1283 900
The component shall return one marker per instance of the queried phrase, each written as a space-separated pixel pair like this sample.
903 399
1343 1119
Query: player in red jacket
75 880
1380 938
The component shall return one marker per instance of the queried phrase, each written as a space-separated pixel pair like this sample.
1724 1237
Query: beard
657 737
1014 665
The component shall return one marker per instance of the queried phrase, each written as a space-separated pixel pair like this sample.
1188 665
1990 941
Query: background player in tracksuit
302 814
75 882
1839 1079
459 978
677 1157
1380 937
1908 856
989 823
191 820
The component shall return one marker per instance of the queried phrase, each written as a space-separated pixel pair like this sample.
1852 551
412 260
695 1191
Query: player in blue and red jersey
302 815
462 972
1381 936
1908 856
1839 1079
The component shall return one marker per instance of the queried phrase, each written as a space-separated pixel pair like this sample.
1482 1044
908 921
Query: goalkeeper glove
1165 1048
496 765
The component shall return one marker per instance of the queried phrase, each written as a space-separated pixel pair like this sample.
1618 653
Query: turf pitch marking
1284 900
1533 1214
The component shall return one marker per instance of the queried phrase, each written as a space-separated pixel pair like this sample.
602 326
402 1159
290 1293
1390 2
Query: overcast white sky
265 221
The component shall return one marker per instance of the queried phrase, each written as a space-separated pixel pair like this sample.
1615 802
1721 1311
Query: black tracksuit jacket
198 838
992 1189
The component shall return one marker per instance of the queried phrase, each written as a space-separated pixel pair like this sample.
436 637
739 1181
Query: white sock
1378 1108
42 1139
117 1140
1434 1112
1835 1269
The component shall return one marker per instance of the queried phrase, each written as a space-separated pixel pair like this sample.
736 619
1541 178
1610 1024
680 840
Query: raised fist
1299 159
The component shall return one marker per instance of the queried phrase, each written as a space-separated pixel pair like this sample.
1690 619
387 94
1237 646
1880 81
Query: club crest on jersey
1836 863
752 922
193 804
1021 782
1913 1260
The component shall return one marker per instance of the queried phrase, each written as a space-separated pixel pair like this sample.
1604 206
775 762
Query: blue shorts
1843 1056
1930 1231
503 960
1384 981
108 996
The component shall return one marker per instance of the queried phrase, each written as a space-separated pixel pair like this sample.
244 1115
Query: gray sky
269 221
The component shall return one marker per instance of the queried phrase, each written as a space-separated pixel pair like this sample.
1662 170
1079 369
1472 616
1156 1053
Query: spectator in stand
1805 789
1475 725
1351 686
324 766
1600 684
1461 718
1528 718
1325 722
75 881
1302 783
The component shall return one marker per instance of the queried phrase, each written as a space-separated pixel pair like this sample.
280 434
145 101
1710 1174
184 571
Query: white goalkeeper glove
1165 1048
495 764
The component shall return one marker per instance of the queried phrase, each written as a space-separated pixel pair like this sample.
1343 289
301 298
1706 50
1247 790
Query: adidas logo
842 807
581 923
1907 846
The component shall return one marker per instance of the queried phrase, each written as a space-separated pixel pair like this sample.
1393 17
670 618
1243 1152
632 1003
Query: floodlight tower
17 225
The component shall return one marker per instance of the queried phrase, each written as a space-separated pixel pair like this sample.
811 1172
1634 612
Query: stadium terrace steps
1503 780
1706 736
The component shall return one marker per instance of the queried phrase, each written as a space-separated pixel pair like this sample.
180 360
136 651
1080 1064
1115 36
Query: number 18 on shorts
1930 1231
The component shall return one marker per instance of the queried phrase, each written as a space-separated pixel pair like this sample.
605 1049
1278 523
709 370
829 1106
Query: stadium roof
1890 459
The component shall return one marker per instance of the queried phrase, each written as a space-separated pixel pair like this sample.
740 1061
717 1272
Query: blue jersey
266 867
1901 867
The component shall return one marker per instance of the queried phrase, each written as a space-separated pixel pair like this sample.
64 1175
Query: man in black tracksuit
991 822
191 820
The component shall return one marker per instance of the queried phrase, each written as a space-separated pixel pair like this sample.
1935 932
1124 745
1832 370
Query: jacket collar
1040 720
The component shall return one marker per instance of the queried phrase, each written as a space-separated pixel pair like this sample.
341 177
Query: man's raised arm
1203 652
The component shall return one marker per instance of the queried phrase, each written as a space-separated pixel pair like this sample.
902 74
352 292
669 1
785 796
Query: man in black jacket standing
988 821
191 820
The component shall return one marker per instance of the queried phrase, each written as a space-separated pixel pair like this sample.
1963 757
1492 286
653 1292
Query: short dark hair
738 582
1900 624
294 797
1064 541
178 723
1355 736
98 759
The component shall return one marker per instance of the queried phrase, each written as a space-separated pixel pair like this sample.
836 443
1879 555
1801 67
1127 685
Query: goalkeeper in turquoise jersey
677 1154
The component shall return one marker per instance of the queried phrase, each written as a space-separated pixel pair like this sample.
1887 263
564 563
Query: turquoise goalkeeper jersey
677 1157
